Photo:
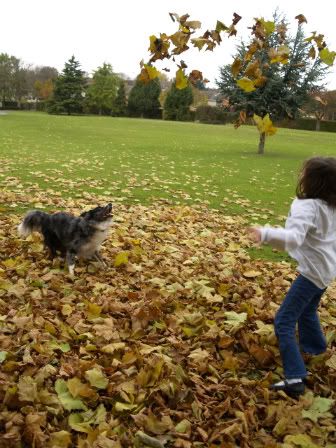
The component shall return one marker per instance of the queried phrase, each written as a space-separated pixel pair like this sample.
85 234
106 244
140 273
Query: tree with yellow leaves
274 82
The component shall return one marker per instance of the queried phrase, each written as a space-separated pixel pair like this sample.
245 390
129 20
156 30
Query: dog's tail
32 222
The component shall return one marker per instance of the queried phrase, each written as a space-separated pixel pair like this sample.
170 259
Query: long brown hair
318 180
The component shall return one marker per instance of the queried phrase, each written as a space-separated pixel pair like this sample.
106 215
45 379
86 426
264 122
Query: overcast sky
44 32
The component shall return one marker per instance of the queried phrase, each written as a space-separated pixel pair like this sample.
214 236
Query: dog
71 236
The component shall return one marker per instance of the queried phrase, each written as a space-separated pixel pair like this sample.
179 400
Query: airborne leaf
301 18
246 84
236 67
181 80
221 27
328 57
264 125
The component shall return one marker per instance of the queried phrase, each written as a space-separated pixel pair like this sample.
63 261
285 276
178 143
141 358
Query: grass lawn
134 160
176 330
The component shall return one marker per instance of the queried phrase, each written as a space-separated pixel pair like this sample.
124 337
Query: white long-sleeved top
309 237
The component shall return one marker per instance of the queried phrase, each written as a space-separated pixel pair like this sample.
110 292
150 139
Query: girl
309 237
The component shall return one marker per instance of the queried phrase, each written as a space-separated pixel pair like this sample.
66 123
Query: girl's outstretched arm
300 220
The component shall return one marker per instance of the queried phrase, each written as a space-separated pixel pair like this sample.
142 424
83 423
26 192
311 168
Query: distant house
215 98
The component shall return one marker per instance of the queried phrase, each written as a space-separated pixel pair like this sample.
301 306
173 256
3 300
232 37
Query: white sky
45 32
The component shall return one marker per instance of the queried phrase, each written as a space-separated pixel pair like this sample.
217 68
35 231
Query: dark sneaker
292 390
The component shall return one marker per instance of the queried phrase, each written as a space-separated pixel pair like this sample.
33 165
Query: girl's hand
254 234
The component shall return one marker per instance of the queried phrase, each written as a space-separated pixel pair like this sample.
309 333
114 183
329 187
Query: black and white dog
71 236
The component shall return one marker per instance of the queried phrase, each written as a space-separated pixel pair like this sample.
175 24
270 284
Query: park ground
173 344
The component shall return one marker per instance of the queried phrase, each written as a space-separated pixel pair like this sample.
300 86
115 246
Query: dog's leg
99 258
70 259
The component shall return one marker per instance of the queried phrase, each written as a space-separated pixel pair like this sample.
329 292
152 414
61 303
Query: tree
102 91
119 107
177 104
143 100
12 80
282 87
44 89
322 105
69 89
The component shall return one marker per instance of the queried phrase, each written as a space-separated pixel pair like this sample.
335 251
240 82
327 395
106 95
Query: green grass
141 160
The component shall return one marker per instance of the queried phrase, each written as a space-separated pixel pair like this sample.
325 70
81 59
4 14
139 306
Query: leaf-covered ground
171 346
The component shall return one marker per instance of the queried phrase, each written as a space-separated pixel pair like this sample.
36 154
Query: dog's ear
109 207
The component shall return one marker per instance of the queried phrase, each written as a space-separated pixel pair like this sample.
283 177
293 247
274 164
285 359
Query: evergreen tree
287 86
69 90
177 104
119 107
143 100
103 90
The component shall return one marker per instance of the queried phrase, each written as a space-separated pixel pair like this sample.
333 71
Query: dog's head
98 214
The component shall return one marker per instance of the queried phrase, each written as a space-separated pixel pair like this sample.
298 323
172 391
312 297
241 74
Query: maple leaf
60 439
300 440
221 27
318 409
280 54
181 79
96 378
234 320
264 125
68 402
121 259
328 57
236 67
301 19
246 84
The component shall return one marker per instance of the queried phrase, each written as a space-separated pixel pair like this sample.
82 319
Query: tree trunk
261 148
318 125
100 111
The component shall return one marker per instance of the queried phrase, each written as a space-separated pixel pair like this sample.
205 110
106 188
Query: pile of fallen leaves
171 346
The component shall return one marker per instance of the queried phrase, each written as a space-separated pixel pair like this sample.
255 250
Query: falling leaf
265 125
181 80
326 56
236 67
246 84
301 18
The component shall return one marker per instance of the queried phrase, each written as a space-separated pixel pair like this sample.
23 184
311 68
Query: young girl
309 237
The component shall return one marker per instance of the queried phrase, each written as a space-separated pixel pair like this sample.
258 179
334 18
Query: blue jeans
300 306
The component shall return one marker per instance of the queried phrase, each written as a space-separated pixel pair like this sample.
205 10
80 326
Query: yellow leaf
181 80
236 67
331 362
264 125
279 55
152 72
66 309
246 84
269 26
96 378
328 57
60 439
121 259
93 310
252 274
301 440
